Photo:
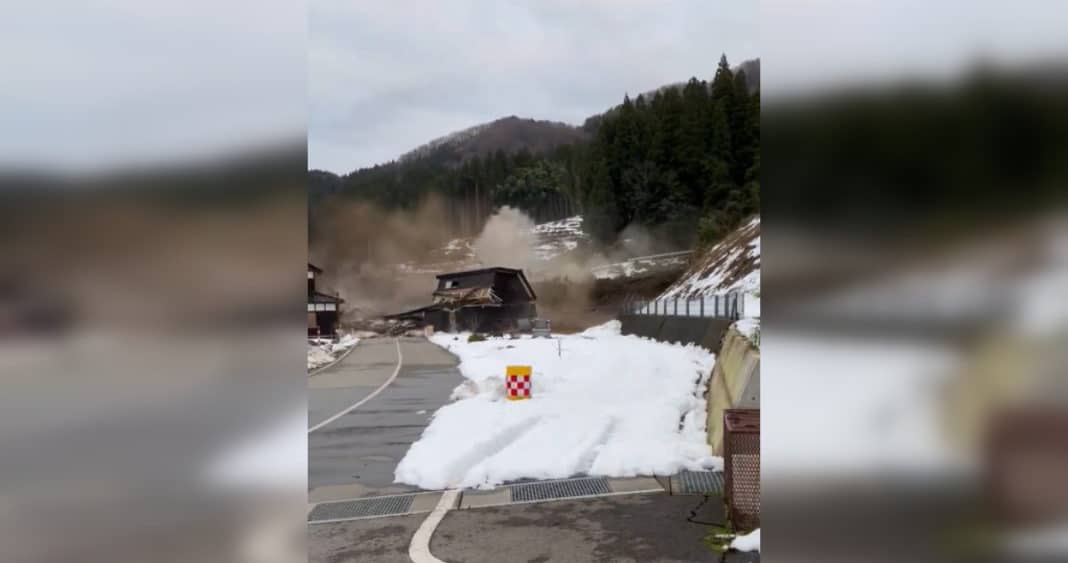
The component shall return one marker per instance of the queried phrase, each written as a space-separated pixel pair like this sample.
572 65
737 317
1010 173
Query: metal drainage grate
699 483
382 506
550 490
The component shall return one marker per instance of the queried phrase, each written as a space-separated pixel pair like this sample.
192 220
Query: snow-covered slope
731 265
641 265
558 237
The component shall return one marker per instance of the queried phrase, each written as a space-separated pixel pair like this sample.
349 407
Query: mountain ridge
513 134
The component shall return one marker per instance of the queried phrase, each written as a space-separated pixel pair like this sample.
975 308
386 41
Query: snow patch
344 343
747 542
603 404
719 268
749 327
317 356
322 351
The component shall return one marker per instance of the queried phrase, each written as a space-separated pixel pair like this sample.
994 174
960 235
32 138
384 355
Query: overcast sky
112 82
822 44
386 77
92 85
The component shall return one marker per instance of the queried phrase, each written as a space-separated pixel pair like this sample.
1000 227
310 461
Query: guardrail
726 306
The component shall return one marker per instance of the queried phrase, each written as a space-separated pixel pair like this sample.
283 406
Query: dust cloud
508 240
378 261
384 262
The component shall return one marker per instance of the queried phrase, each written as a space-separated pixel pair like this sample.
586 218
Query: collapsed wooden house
490 300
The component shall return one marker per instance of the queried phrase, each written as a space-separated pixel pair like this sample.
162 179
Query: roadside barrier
704 331
720 306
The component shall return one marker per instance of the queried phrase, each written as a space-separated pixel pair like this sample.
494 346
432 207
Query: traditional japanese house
323 308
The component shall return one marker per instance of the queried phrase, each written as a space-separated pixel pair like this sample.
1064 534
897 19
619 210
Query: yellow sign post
517 382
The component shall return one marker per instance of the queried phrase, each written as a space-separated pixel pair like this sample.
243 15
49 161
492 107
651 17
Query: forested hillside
683 161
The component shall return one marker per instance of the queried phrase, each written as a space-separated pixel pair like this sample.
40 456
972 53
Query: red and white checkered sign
517 384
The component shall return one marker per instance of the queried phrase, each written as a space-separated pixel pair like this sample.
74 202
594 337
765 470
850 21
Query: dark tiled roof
479 271
434 307
511 271
319 297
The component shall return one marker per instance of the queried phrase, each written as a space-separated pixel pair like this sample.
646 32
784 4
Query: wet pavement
628 528
354 456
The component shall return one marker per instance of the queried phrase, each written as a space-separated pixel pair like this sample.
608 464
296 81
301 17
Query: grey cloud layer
384 79
96 84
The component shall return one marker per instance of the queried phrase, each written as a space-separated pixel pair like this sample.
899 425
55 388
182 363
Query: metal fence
727 306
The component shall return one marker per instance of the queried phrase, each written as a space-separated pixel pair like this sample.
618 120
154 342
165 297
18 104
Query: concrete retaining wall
735 383
705 332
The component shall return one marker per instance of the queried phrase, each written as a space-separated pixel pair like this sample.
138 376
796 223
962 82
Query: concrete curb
474 499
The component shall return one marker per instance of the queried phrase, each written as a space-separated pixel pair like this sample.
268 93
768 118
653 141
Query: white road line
400 360
419 549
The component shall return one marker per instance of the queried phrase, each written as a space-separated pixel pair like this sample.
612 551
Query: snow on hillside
558 237
641 265
602 404
548 241
731 265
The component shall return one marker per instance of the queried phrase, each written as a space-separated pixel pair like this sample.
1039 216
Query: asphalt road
354 455
630 528
382 540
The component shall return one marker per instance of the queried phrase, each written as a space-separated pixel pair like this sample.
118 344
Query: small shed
323 308
484 300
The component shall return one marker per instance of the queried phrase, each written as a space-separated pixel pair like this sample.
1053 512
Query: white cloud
387 78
